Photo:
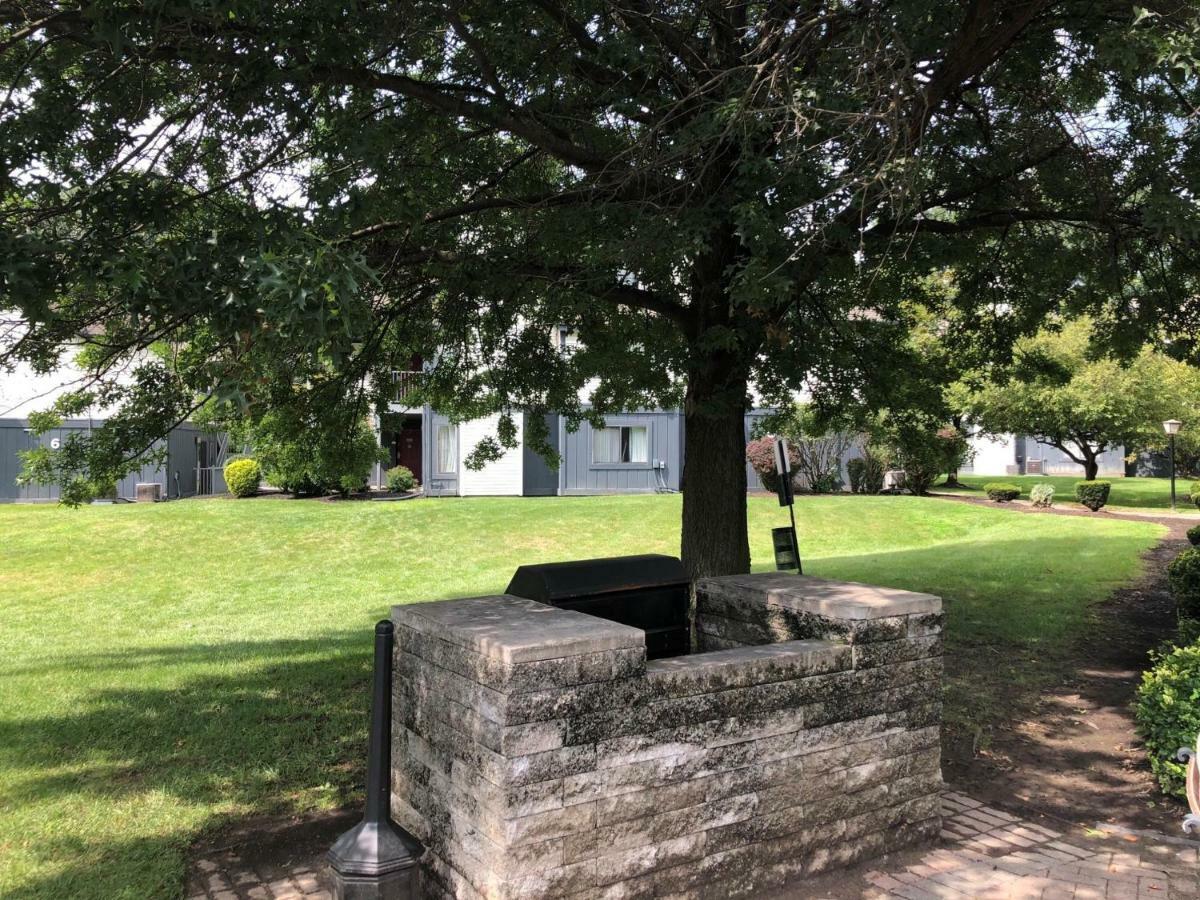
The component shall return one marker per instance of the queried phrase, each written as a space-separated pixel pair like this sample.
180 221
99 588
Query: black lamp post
1171 427
377 859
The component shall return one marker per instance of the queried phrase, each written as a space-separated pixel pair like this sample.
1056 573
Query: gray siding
580 475
538 478
181 457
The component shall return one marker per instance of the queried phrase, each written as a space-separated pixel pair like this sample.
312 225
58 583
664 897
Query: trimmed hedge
1002 491
242 477
1193 534
400 479
1194 493
1042 495
1168 712
1092 494
1184 576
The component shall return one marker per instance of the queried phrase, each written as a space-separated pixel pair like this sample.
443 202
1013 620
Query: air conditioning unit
148 492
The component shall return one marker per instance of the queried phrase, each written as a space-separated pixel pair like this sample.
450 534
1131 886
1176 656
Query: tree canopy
712 195
1062 391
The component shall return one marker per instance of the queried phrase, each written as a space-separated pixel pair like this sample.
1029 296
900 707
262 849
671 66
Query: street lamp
1171 427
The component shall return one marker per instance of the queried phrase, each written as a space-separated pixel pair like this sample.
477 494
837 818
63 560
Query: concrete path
983 852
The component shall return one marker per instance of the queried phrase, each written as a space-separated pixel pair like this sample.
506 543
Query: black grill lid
550 582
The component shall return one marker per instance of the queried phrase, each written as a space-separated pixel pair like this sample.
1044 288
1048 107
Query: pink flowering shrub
760 453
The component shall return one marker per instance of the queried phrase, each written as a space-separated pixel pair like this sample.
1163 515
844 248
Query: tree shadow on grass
280 725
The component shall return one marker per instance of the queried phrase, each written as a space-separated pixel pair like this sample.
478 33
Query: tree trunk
1091 468
714 539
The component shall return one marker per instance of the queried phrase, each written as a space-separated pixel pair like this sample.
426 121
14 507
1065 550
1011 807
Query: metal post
1172 473
377 859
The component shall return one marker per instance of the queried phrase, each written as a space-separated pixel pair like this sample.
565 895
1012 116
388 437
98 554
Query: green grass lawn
1127 493
167 669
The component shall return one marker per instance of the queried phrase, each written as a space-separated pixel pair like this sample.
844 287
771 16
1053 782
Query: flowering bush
760 453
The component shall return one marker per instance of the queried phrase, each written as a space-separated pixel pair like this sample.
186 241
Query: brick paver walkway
988 853
983 853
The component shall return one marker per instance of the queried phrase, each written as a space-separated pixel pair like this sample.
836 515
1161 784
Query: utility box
148 492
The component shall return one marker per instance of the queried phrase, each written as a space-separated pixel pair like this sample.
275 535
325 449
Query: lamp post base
376 861
403 884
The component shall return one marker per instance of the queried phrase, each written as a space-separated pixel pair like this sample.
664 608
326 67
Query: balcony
404 388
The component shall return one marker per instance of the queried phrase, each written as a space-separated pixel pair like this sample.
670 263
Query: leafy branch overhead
709 195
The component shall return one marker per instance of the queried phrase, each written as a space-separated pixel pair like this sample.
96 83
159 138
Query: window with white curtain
621 444
447 449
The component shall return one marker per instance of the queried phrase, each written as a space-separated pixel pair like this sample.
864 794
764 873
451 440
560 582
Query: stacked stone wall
537 754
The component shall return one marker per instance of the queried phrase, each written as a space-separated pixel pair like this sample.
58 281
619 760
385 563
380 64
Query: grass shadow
280 725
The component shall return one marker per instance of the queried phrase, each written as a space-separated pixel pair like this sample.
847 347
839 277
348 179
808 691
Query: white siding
993 455
503 477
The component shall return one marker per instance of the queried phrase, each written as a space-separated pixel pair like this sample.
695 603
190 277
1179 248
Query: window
447 449
623 444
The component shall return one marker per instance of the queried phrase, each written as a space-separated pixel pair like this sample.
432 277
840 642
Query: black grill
650 592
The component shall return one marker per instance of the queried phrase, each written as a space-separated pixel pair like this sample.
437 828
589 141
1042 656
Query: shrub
1184 576
400 479
1194 493
1092 494
242 477
1042 495
1002 491
866 474
313 457
1168 712
1187 633
760 453
1193 534
920 453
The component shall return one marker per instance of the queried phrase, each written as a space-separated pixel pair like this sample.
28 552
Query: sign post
787 547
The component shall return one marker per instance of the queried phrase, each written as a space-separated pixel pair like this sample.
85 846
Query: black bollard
377 859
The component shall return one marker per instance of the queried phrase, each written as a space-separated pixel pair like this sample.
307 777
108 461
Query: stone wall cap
516 630
825 597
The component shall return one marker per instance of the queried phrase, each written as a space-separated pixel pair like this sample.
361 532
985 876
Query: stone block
515 630
721 670
822 597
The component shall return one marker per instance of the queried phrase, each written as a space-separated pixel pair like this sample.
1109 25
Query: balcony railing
404 386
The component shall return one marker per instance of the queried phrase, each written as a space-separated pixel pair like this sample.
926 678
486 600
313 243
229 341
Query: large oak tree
714 195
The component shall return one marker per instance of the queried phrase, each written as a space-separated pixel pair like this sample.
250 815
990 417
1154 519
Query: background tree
1059 391
712 195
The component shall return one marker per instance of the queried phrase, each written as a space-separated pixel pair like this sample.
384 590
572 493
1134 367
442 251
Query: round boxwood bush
1168 712
400 479
1002 491
1194 493
1184 576
242 477
1193 534
1092 494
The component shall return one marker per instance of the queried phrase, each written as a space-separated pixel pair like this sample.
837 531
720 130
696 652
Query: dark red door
408 447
